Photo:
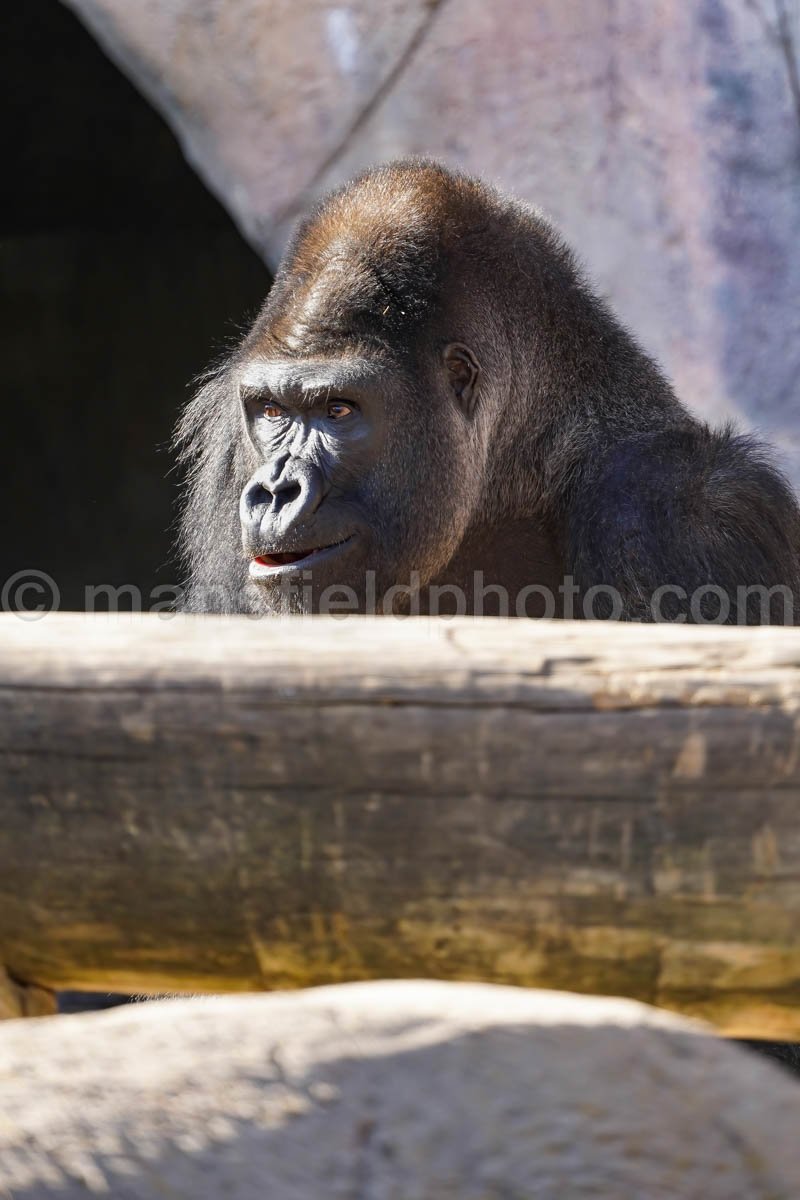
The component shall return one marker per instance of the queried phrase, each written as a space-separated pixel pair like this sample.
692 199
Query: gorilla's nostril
284 494
289 493
257 496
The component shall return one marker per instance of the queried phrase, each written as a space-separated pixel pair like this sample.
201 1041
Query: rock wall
664 138
390 1091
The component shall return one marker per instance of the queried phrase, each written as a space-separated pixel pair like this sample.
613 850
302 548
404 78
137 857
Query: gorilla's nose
279 496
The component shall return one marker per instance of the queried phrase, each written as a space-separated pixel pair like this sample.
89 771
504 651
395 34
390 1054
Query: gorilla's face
359 496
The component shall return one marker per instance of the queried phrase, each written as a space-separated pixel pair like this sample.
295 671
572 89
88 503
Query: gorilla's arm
681 510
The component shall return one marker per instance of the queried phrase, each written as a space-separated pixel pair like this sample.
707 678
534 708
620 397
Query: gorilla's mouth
264 565
280 560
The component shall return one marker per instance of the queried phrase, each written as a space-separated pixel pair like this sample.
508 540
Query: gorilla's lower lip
267 566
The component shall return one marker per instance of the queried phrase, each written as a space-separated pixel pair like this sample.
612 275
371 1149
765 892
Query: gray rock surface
663 137
390 1091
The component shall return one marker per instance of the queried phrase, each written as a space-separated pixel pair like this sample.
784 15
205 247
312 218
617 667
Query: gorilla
434 412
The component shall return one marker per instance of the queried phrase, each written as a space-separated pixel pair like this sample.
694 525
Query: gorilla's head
362 394
395 407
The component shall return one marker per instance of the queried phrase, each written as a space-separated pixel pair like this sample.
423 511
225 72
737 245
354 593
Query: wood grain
208 803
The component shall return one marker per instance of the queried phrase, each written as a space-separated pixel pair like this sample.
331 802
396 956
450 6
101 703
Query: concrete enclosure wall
664 138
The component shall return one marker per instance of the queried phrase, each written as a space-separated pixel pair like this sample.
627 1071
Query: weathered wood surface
209 803
24 1000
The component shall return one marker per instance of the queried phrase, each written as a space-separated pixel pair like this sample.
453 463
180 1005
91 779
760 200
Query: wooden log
18 1000
225 804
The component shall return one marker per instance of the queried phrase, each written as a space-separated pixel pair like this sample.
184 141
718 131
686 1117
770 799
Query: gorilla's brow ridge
305 381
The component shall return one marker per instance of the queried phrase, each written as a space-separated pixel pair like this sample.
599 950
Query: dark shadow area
785 1053
122 278
78 1002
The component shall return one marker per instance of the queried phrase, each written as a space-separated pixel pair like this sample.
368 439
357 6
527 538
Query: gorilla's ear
463 370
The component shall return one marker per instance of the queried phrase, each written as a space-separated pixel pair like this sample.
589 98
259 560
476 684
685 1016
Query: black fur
575 457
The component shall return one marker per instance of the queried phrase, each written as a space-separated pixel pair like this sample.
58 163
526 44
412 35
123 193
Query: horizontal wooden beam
223 803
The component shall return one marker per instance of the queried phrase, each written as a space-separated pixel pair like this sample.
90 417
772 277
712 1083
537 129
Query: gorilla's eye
272 411
338 409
